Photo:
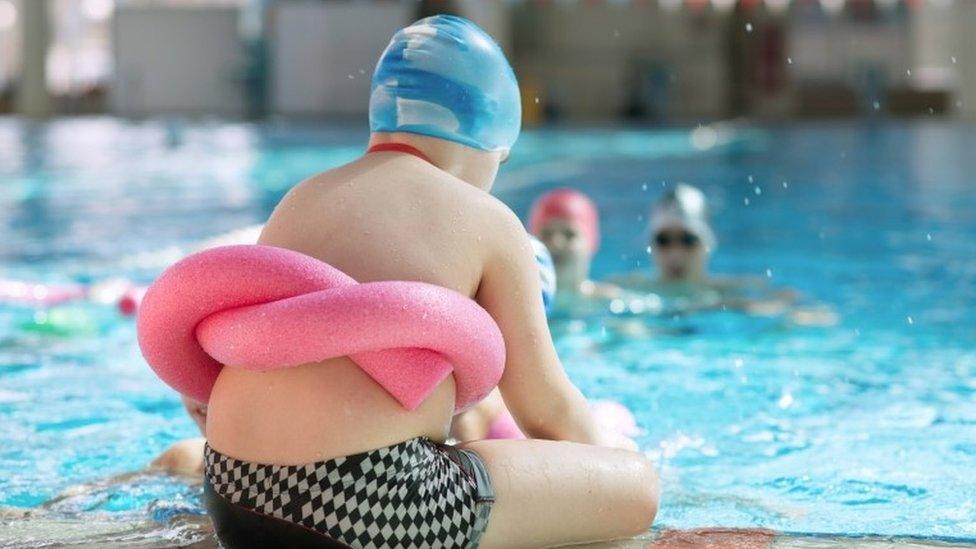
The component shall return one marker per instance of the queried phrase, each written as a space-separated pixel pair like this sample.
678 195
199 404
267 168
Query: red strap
398 147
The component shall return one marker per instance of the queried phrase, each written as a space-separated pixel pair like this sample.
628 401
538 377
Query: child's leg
553 493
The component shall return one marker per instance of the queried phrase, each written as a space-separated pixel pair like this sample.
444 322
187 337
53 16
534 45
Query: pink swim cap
571 206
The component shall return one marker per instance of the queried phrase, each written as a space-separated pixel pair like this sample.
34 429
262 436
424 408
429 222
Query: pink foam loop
259 307
609 416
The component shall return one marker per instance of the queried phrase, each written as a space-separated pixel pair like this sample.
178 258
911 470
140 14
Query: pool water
866 427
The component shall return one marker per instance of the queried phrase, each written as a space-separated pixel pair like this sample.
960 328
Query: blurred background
659 61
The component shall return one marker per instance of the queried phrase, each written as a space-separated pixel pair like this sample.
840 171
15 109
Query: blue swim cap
444 77
547 272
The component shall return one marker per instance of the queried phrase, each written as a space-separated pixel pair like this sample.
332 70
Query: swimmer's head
567 222
444 77
680 235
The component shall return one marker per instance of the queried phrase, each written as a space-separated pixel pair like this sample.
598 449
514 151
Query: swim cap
547 272
567 205
684 206
444 77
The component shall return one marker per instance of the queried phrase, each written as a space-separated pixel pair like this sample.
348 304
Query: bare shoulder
295 214
315 185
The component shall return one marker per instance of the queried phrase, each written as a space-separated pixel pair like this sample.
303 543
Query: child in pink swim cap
568 223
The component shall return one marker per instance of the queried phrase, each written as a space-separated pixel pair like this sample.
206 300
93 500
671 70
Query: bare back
385 216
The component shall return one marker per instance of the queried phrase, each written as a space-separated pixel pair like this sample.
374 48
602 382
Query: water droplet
785 401
910 320
350 77
757 190
648 248
857 331
908 72
789 60
877 105
748 27
953 59
745 201
644 187
738 362
751 179
640 217
616 34
928 236
931 110
537 100
769 273
785 184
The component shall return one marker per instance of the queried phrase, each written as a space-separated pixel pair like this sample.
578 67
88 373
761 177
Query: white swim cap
684 206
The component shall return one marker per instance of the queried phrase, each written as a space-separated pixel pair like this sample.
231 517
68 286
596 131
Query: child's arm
543 400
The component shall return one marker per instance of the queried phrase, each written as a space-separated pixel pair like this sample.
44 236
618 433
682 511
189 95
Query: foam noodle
264 308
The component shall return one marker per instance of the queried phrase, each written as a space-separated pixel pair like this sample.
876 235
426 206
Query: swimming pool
868 427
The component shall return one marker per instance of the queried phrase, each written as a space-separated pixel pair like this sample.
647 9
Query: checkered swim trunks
412 494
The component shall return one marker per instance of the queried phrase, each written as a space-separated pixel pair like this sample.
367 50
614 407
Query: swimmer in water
185 457
444 113
681 244
568 223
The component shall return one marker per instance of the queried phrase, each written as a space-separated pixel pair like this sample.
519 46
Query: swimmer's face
678 254
565 240
197 411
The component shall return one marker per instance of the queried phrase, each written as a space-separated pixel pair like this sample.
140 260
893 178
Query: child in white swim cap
681 238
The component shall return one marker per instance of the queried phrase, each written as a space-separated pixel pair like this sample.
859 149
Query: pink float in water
609 416
38 294
264 308
129 302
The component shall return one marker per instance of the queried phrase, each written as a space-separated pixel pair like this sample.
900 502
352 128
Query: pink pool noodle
263 308
608 415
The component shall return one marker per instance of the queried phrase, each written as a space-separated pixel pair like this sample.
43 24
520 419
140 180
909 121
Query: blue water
867 427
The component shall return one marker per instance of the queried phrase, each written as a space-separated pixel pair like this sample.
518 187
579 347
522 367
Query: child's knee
646 496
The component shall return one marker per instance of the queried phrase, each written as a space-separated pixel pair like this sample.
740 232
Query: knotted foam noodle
265 308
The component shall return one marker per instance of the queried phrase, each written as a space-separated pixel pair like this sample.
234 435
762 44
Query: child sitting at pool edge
444 112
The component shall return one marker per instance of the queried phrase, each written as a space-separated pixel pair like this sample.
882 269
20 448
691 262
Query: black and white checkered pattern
409 495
